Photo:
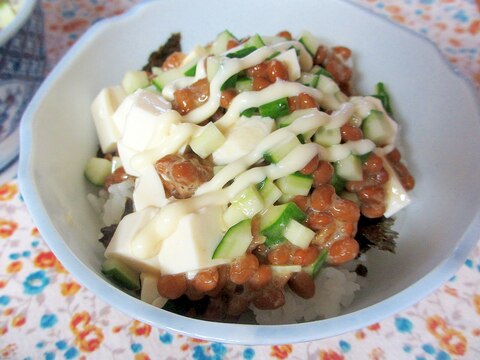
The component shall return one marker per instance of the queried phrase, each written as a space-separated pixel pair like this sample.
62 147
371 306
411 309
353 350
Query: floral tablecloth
46 314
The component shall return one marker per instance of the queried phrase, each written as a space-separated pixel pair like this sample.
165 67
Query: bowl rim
242 334
20 19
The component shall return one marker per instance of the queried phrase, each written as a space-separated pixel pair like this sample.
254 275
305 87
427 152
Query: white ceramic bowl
438 113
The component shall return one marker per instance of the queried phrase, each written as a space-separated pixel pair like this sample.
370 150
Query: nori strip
376 233
157 58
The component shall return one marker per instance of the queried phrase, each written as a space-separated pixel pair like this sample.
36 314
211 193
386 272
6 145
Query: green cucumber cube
207 140
221 42
279 151
295 184
310 42
249 201
233 215
275 220
314 268
275 109
327 137
235 242
349 168
244 84
269 191
121 274
377 128
97 170
299 234
256 41
133 80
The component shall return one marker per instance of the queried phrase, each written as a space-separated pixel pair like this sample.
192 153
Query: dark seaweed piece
109 230
184 306
128 207
157 58
361 270
376 233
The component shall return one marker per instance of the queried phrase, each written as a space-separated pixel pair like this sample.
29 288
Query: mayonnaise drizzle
248 99
243 172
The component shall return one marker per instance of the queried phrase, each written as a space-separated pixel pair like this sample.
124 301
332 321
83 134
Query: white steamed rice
335 287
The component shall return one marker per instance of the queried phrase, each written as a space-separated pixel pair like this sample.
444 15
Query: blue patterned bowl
22 65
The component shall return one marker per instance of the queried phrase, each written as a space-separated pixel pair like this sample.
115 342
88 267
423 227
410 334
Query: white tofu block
148 190
144 129
192 244
126 154
149 292
396 196
143 100
102 109
120 245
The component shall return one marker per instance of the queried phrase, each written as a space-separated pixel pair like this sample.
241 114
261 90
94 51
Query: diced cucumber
298 234
284 270
327 85
290 118
275 109
207 140
319 70
235 242
338 183
275 220
285 198
350 196
121 274
349 168
242 52
230 82
279 151
295 184
249 201
310 42
213 64
377 128
275 54
164 78
221 42
191 71
289 59
314 268
156 70
244 84
233 215
269 191
309 79
249 112
306 137
327 137
133 80
382 94
256 41
97 170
